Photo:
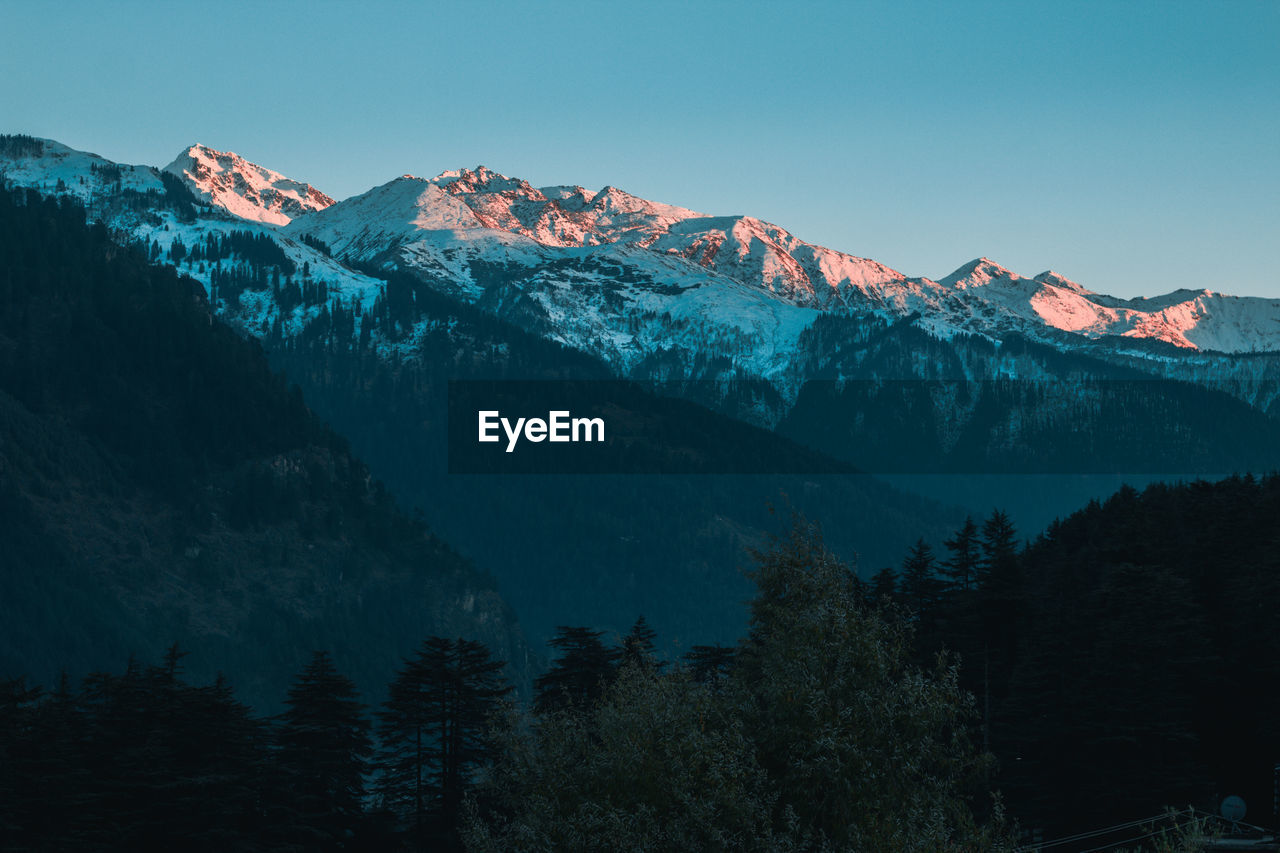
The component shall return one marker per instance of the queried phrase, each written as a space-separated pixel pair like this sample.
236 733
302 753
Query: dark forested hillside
158 483
565 548
815 732
1154 660
1128 659
895 399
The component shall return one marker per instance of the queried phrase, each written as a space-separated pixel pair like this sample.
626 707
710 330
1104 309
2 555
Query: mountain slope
160 484
600 549
50 166
660 292
980 297
747 286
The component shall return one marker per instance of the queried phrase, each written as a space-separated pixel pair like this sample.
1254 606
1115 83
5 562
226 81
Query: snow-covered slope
617 300
136 203
559 216
480 212
1196 320
245 189
616 275
52 167
388 216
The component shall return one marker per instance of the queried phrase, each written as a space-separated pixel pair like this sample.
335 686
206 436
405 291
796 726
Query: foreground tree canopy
820 734
818 731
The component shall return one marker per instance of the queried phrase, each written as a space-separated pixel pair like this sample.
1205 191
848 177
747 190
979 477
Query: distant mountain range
473 274
622 277
652 290
477 211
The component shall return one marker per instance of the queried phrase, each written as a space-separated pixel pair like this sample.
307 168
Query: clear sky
1132 146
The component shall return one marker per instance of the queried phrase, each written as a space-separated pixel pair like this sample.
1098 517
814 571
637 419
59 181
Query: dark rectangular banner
609 427
871 426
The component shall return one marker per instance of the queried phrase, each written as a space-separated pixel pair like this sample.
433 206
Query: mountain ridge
666 298
766 255
447 228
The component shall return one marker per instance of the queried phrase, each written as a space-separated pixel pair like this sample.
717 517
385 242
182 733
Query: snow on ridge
448 222
976 273
1058 280
245 189
567 193
63 170
480 179
980 297
386 216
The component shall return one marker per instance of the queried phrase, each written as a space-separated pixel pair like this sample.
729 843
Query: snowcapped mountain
245 189
474 235
634 282
171 215
479 211
1194 320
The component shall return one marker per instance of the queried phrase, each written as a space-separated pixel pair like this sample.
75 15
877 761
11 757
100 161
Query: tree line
1125 659
145 760
816 731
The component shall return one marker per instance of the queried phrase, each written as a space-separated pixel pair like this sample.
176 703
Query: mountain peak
481 172
200 149
391 214
481 179
976 273
1058 280
227 180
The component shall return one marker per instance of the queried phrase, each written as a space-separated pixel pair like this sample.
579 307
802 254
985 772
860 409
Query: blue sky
1132 146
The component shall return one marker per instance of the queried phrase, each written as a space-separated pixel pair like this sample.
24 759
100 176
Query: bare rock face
229 181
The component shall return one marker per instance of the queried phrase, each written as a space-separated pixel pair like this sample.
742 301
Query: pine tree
1000 594
171 766
323 753
884 585
961 567
578 677
920 586
43 801
16 715
224 751
638 645
999 550
432 729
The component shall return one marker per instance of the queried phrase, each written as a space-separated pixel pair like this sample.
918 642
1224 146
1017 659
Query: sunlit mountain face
598 267
651 290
